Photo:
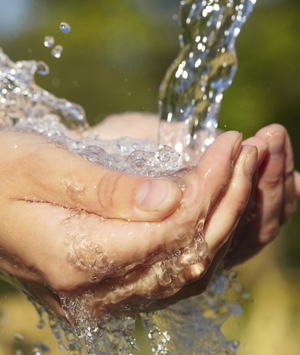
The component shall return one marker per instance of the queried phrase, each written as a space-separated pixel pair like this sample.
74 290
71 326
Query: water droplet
41 324
49 41
246 296
239 288
233 274
56 51
95 277
98 249
42 68
182 186
65 27
40 349
164 278
19 337
132 343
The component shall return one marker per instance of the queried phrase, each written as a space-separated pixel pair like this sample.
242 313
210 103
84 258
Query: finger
297 183
204 185
227 215
47 173
215 167
262 148
218 228
271 183
289 203
289 197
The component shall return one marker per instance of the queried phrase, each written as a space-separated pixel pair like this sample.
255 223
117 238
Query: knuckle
107 189
271 182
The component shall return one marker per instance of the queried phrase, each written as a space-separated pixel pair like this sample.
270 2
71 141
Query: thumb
46 173
116 194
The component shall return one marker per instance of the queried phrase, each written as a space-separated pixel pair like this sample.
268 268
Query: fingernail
250 162
156 194
237 147
276 145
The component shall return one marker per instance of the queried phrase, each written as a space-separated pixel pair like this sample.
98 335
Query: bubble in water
65 27
49 41
56 51
164 278
42 68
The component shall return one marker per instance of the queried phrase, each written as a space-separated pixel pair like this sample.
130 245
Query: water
193 326
57 51
192 90
21 99
189 101
42 68
49 41
65 27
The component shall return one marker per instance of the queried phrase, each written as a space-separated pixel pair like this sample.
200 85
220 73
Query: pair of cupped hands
71 228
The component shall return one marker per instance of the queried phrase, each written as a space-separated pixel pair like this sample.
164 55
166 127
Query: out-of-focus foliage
114 59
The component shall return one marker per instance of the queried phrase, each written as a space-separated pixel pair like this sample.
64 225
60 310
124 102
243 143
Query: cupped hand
60 242
276 185
275 190
65 232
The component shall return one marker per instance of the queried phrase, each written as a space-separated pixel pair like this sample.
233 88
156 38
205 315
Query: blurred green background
113 61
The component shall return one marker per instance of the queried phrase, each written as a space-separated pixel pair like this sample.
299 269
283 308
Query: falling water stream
190 98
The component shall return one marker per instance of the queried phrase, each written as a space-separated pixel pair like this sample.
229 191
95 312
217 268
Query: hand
276 187
56 242
275 190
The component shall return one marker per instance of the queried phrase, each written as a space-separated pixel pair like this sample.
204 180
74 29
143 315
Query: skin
61 217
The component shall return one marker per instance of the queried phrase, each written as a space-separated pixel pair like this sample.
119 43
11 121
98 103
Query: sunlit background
113 60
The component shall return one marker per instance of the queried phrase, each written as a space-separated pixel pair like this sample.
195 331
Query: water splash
192 90
21 98
193 326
